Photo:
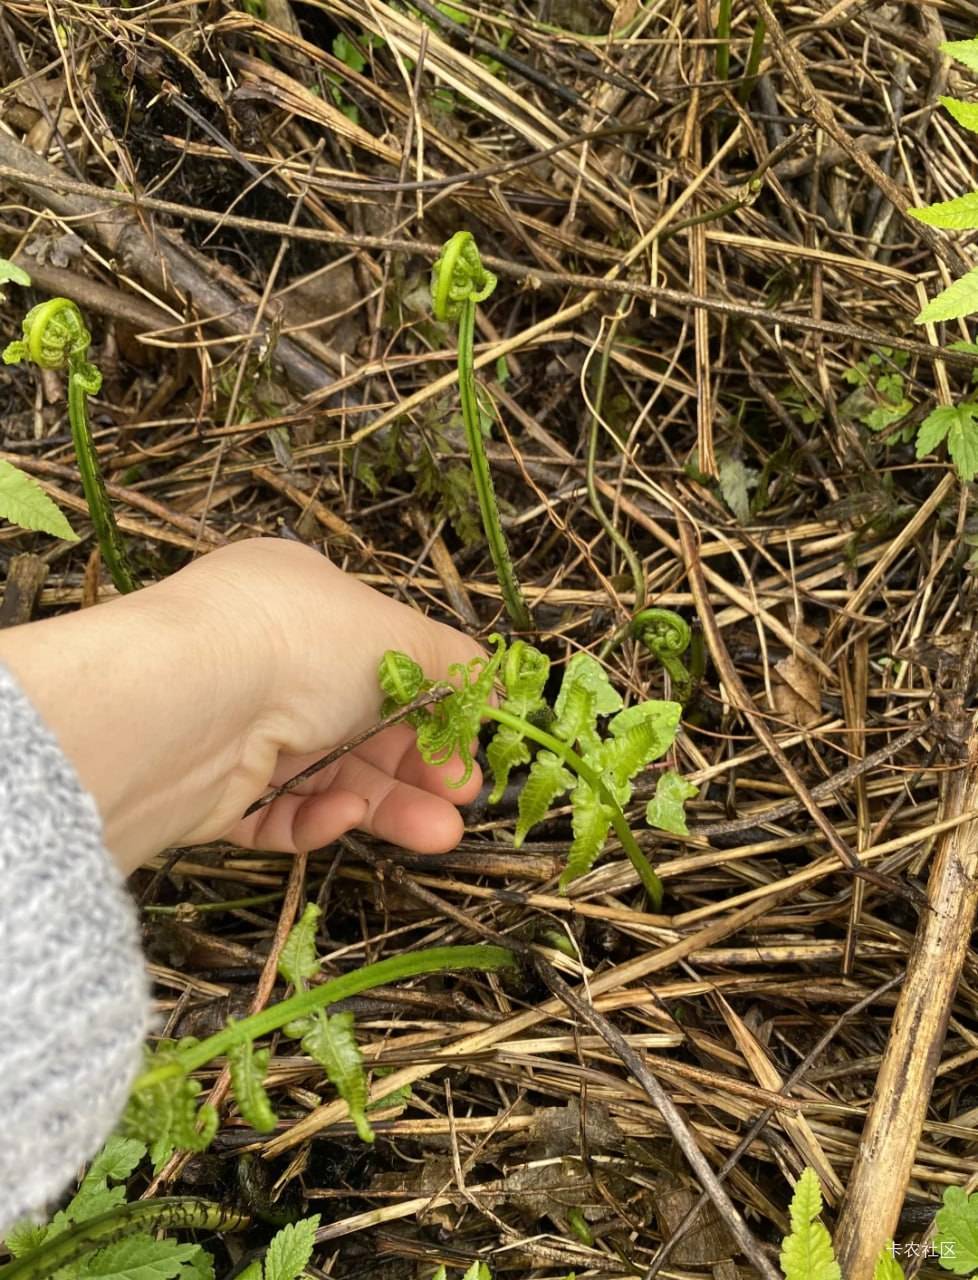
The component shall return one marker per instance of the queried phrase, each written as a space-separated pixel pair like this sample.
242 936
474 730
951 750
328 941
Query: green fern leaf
959 299
12 274
165 1116
807 1254
957 1232
963 51
248 1067
966 113
585 693
24 502
506 751
959 214
590 822
667 808
639 735
547 779
291 1249
298 959
524 674
332 1044
887 1267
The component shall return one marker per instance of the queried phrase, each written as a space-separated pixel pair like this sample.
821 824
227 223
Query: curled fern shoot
667 636
56 337
459 282
596 765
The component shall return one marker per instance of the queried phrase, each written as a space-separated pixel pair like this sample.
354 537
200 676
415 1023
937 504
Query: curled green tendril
458 277
667 636
56 337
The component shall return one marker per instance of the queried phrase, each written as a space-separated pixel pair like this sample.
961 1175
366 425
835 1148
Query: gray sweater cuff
74 1002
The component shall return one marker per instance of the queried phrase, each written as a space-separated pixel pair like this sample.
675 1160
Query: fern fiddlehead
667 636
56 337
459 282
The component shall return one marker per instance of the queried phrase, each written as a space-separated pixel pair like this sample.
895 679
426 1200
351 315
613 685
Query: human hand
183 703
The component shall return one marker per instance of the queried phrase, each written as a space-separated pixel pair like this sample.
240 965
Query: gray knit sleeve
74 1002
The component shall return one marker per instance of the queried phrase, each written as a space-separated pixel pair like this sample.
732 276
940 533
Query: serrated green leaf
667 808
248 1067
252 1271
959 299
12 274
963 51
959 214
478 1271
962 441
957 1231
298 959
440 1274
139 1257
24 1237
639 734
400 677
524 673
934 428
590 822
331 1042
548 778
24 502
736 481
117 1160
887 1267
806 1254
200 1266
966 113
291 1249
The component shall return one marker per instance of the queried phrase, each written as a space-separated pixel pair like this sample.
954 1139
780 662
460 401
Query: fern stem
394 969
502 562
651 882
723 39
753 61
175 1212
93 485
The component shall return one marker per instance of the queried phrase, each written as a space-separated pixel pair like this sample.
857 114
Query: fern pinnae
332 1044
807 1253
590 821
548 779
248 1067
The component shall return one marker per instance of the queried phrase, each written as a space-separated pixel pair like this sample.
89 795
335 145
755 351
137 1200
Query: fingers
416 809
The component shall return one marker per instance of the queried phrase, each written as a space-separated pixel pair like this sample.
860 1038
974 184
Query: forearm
149 702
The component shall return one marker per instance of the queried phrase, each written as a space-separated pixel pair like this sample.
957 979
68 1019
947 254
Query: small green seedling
572 754
55 337
459 282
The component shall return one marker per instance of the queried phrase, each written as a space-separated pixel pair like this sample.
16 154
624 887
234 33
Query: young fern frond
298 960
56 337
165 1114
807 1253
331 1042
248 1067
574 757
547 779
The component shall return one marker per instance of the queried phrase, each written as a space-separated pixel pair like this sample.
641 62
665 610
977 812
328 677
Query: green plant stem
651 882
410 965
753 61
516 607
620 541
93 485
723 39
175 1212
